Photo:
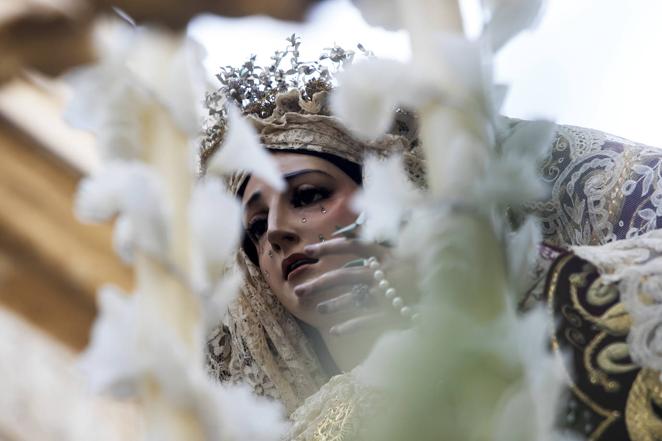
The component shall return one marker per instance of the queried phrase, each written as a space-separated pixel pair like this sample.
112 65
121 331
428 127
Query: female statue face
313 206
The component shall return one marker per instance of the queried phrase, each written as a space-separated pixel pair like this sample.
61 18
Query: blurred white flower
522 247
507 181
107 102
108 364
234 412
386 197
133 191
217 300
170 67
129 343
123 239
369 92
215 219
383 13
461 68
138 69
241 150
542 383
509 18
512 176
365 98
530 139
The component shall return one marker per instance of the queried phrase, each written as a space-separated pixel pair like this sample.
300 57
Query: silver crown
255 89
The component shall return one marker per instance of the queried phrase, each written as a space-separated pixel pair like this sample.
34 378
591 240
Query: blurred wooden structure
51 36
50 264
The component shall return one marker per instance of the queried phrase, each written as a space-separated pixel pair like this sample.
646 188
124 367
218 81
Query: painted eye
307 195
256 229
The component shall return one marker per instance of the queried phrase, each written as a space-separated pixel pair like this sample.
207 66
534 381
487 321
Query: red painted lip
294 262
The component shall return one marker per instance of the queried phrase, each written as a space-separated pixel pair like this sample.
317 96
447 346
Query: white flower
170 68
385 198
509 18
522 247
241 150
129 342
215 304
234 412
536 397
455 160
382 13
511 180
530 139
107 102
369 91
123 239
215 219
461 68
138 70
512 177
133 191
107 363
106 98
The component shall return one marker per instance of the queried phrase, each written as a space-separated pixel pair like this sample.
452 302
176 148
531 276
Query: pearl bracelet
389 292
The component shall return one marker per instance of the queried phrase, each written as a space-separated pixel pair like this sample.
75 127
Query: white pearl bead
373 265
390 293
384 284
406 312
398 302
379 275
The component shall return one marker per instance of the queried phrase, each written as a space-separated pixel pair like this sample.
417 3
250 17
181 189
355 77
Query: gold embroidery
339 423
600 293
616 321
596 376
608 359
642 422
609 415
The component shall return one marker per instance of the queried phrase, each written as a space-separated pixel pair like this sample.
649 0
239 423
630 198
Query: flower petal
522 250
170 67
385 14
241 150
385 198
108 364
365 99
530 139
134 190
234 412
509 18
215 218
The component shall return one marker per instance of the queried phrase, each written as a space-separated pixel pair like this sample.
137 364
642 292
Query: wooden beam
53 265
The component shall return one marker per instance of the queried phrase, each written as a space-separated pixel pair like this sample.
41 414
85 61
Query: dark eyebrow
288 177
295 174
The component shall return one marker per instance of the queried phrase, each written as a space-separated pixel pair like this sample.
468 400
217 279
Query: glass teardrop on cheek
323 210
304 220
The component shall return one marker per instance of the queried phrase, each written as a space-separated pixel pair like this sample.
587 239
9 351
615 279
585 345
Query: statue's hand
367 298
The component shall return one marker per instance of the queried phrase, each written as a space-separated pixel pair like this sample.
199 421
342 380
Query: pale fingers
342 245
337 277
358 323
346 301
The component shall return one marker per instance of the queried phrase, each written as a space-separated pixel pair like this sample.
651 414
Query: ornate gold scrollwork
642 421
